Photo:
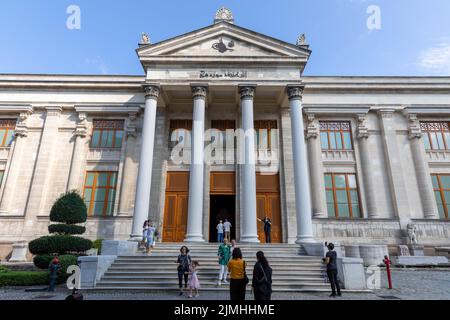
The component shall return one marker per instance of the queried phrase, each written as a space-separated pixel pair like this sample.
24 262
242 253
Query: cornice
119 109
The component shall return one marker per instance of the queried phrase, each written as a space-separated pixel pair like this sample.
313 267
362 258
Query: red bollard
387 262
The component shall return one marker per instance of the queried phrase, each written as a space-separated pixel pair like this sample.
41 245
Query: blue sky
414 38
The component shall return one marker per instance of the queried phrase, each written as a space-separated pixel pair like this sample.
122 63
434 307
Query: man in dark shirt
267 226
332 271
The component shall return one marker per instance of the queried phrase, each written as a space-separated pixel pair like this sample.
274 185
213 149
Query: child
194 284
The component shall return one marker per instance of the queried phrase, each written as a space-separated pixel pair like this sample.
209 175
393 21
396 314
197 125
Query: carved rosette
362 131
151 91
81 130
131 130
414 127
198 92
247 92
312 129
295 92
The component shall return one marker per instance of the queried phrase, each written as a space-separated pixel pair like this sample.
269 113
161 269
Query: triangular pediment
223 40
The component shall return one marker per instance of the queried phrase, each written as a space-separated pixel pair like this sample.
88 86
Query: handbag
246 280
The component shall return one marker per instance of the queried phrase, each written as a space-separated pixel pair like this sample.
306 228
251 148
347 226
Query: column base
194 238
135 237
249 239
305 239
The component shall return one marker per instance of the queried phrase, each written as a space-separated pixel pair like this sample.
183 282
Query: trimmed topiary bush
66 229
42 261
69 210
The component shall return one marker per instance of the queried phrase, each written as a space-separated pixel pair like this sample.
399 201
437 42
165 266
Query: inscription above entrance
222 74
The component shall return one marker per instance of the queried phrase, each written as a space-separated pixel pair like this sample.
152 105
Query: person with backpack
262 278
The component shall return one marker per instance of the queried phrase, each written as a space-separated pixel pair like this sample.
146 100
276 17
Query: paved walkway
423 284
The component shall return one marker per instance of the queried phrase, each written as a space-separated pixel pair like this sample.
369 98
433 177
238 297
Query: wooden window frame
104 129
7 125
441 192
341 131
264 125
427 128
94 189
347 191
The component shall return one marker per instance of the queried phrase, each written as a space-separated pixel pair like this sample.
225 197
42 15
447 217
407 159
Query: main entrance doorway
268 204
222 202
176 207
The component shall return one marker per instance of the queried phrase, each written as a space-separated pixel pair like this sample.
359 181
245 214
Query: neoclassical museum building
223 124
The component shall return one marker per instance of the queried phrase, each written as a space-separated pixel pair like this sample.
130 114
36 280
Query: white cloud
99 63
436 59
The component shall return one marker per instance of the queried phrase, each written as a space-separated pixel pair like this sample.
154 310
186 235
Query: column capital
295 91
131 130
151 90
21 127
312 130
199 91
363 131
247 91
81 129
414 130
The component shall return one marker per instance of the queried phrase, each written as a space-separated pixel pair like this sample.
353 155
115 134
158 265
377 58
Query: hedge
23 278
66 261
66 229
59 244
69 208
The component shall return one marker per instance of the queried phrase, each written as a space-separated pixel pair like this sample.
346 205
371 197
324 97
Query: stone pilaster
316 167
78 165
370 192
44 165
423 174
10 184
129 169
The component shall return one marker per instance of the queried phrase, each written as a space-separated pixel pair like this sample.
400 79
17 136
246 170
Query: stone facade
51 152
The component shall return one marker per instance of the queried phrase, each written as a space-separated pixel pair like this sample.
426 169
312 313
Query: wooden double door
176 207
268 204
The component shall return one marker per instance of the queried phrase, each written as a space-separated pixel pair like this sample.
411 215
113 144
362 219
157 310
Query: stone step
221 288
215 257
215 271
210 283
208 278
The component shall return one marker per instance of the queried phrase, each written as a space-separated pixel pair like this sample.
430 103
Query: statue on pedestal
411 230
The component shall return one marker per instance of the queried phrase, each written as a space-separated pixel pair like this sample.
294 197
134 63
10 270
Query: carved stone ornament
198 92
21 127
81 129
295 92
411 232
362 131
131 130
414 127
145 39
151 91
312 129
224 14
247 92
301 40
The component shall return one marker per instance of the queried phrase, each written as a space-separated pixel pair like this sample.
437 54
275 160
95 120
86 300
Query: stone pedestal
119 248
351 273
373 254
352 251
19 253
416 250
93 268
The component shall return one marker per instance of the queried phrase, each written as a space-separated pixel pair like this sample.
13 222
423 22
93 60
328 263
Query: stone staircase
292 269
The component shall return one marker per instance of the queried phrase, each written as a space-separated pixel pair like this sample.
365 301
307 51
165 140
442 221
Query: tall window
265 134
107 134
183 127
100 192
342 195
436 135
7 127
336 135
441 187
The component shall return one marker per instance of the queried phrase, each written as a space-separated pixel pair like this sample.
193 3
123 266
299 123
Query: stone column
301 174
423 175
195 208
79 153
367 169
20 134
144 180
128 167
249 230
316 168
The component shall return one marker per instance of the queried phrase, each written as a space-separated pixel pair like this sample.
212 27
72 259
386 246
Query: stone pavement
423 284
